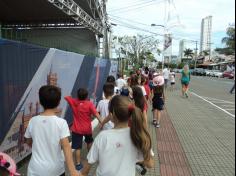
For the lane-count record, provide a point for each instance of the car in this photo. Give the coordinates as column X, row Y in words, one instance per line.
column 217, row 73
column 228, row 74
column 208, row 72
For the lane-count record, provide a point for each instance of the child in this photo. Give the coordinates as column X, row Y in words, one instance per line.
column 172, row 80
column 140, row 101
column 102, row 107
column 118, row 150
column 145, row 84
column 82, row 109
column 7, row 166
column 48, row 135
column 158, row 99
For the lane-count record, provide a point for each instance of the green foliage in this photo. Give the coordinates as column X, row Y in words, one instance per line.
column 229, row 41
column 226, row 51
column 181, row 65
column 172, row 65
column 188, row 53
column 138, row 48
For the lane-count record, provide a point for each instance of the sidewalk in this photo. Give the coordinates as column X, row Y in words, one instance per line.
column 170, row 159
column 194, row 139
column 207, row 135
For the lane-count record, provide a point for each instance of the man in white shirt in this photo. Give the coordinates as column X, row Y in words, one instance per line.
column 166, row 75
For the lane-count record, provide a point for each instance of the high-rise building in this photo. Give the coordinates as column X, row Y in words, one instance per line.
column 182, row 47
column 206, row 30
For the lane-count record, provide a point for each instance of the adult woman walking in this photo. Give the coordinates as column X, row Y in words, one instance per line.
column 185, row 80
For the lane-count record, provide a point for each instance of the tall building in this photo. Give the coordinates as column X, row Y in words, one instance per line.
column 182, row 47
column 206, row 30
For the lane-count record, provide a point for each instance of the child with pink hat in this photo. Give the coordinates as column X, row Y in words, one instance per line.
column 158, row 100
column 7, row 166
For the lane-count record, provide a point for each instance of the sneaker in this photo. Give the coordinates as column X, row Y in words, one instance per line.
column 141, row 169
column 154, row 122
column 79, row 167
column 186, row 95
column 157, row 125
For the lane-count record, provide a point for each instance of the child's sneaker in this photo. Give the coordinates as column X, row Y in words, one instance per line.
column 79, row 167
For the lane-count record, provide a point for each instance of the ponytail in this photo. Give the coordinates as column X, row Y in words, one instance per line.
column 139, row 133
column 124, row 109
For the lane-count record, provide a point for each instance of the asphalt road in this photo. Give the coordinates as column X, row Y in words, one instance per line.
column 205, row 124
column 214, row 91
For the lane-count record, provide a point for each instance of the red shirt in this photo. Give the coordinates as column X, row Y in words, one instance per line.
column 82, row 112
column 148, row 90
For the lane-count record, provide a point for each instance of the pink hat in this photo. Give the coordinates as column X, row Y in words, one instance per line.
column 8, row 163
column 158, row 81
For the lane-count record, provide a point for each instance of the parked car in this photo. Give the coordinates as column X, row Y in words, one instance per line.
column 199, row 72
column 217, row 73
column 228, row 74
column 208, row 72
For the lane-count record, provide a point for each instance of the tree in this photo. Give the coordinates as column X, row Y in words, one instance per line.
column 188, row 53
column 229, row 41
column 139, row 48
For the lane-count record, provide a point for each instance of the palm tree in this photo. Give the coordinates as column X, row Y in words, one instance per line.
column 188, row 53
column 230, row 39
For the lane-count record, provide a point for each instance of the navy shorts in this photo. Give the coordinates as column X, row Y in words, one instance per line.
column 158, row 103
column 77, row 140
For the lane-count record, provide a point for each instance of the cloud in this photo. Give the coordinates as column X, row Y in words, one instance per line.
column 190, row 12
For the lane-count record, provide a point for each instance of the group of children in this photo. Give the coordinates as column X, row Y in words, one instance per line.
column 123, row 143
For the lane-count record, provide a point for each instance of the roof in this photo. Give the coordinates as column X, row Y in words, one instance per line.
column 35, row 11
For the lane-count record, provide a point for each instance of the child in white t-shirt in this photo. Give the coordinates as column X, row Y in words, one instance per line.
column 102, row 107
column 118, row 150
column 48, row 135
column 172, row 80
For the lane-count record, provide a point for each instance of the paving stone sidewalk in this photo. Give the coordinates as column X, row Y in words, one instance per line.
column 207, row 135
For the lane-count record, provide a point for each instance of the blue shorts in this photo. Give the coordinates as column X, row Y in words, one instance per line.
column 77, row 140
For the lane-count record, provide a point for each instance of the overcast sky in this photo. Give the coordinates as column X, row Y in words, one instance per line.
column 142, row 13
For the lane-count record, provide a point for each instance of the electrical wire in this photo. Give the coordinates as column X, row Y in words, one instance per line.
column 138, row 7
column 133, row 5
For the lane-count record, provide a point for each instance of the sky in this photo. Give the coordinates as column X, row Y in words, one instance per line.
column 187, row 14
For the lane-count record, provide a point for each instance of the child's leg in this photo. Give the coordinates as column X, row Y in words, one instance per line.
column 89, row 141
column 154, row 116
column 77, row 156
column 158, row 116
column 77, row 142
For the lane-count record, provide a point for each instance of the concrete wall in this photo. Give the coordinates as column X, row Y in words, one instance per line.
column 80, row 41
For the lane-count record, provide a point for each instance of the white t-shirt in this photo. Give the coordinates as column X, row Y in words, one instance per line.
column 120, row 83
column 116, row 92
column 166, row 73
column 172, row 78
column 115, row 153
column 143, row 90
column 47, row 157
column 102, row 108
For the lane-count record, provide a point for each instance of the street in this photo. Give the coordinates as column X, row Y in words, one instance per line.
column 205, row 125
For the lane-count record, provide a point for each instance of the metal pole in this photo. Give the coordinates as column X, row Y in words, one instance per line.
column 105, row 33
column 195, row 65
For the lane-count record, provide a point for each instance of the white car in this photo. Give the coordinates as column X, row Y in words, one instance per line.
column 208, row 72
column 217, row 73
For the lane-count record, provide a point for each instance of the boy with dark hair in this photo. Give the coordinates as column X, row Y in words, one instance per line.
column 102, row 107
column 82, row 109
column 47, row 134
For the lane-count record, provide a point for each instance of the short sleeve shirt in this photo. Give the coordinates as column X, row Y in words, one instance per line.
column 46, row 133
column 116, row 147
column 82, row 112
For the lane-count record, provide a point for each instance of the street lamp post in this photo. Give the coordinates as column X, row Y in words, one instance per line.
column 165, row 32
